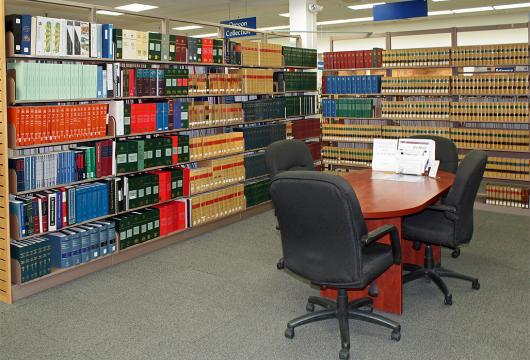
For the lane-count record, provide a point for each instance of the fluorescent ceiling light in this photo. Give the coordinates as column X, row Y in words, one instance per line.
column 280, row 27
column 344, row 21
column 469, row 10
column 136, row 7
column 284, row 14
column 439, row 0
column 187, row 27
column 110, row 13
column 441, row 12
column 511, row 6
column 365, row 6
column 204, row 35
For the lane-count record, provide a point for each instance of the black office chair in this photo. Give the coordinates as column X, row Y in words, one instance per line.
column 448, row 224
column 325, row 240
column 447, row 153
column 287, row 155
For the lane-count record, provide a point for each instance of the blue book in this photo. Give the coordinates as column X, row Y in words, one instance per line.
column 25, row 44
column 59, row 209
column 107, row 48
column 93, row 239
column 111, row 235
column 16, row 212
column 177, row 115
column 101, row 231
column 325, row 108
column 71, row 205
column 159, row 116
column 99, row 83
column 61, row 249
column 332, row 84
column 165, row 116
column 76, row 247
column 351, row 79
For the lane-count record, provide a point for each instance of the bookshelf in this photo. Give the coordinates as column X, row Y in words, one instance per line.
column 213, row 131
column 476, row 95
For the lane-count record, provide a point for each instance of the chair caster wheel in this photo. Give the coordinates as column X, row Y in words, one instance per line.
column 475, row 285
column 289, row 333
column 455, row 253
column 396, row 335
column 310, row 307
column 280, row 265
column 344, row 354
column 448, row 300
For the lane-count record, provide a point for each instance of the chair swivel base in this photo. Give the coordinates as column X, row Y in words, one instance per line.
column 342, row 311
column 434, row 272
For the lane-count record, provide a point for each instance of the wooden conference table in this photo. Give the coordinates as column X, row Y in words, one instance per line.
column 386, row 202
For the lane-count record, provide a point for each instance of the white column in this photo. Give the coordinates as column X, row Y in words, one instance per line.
column 300, row 18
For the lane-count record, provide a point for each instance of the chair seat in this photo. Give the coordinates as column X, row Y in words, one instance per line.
column 431, row 227
column 376, row 257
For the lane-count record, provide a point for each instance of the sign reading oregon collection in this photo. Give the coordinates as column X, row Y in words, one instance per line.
column 244, row 22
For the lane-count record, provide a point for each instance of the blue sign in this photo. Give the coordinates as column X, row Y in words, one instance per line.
column 401, row 10
column 245, row 22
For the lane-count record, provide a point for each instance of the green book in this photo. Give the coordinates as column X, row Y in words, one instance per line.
column 155, row 46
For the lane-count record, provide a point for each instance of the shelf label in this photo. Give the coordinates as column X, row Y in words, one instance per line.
column 244, row 22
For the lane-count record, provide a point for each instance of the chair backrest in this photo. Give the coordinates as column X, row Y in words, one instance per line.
column 464, row 191
column 321, row 226
column 288, row 155
column 446, row 152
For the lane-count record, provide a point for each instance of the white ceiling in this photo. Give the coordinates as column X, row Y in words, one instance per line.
column 217, row 10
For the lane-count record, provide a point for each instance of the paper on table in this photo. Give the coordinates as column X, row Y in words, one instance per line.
column 397, row 177
column 415, row 155
column 384, row 155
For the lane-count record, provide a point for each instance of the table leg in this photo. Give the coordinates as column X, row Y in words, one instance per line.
column 389, row 284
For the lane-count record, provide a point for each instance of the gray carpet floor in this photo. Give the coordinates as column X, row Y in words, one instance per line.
column 219, row 296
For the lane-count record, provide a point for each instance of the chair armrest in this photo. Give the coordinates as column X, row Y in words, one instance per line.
column 449, row 211
column 379, row 233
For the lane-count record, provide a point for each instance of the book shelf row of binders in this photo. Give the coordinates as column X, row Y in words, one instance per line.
column 477, row 96
column 112, row 148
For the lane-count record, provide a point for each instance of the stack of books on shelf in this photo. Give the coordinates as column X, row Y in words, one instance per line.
column 509, row 54
column 35, row 125
column 52, row 210
column 420, row 110
column 417, row 57
column 300, row 105
column 137, row 155
column 298, row 57
column 397, row 132
column 257, row 192
column 138, row 226
column 38, row 168
column 488, row 139
column 212, row 174
column 260, row 136
column 264, row 109
column 351, row 108
column 511, row 84
column 32, row 259
column 211, row 206
column 255, row 165
column 508, row 168
column 362, row 84
column 255, row 81
column 206, row 147
column 350, row 132
column 207, row 51
column 297, row 81
column 81, row 244
column 347, row 155
column 306, row 128
column 261, row 54
column 173, row 217
column 354, row 59
column 490, row 111
column 438, row 85
column 203, row 114
column 508, row 195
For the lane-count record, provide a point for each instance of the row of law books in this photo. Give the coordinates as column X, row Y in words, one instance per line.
column 350, row 132
column 81, row 244
column 358, row 84
column 354, row 108
column 52, row 210
column 56, row 37
column 209, row 146
column 354, row 59
column 305, row 128
column 260, row 136
column 212, row 174
column 508, row 195
column 54, row 166
column 33, row 257
column 506, row 168
column 214, row 205
column 257, row 192
column 45, row 124
column 255, row 165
